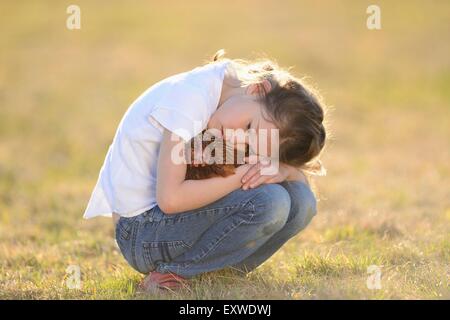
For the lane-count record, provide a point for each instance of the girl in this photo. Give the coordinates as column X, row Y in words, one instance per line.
column 171, row 228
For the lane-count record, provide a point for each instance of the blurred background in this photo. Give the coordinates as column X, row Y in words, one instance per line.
column 384, row 202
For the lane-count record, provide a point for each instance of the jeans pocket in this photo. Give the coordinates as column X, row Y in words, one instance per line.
column 156, row 252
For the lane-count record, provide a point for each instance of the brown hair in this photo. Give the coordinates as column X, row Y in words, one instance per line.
column 293, row 106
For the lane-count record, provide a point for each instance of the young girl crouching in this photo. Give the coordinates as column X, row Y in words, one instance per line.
column 172, row 228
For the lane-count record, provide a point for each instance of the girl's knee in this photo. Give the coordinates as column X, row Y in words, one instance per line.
column 303, row 205
column 272, row 204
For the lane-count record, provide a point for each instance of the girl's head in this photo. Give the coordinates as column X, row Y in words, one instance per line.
column 260, row 95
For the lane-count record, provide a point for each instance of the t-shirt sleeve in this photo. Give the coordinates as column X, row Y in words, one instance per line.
column 182, row 110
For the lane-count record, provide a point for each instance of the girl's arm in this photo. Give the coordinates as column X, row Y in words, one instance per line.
column 174, row 194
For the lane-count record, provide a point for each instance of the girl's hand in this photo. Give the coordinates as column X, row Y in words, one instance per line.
column 253, row 177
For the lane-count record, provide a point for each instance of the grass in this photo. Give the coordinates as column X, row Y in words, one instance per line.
column 385, row 201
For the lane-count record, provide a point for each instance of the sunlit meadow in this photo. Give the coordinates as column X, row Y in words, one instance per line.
column 384, row 202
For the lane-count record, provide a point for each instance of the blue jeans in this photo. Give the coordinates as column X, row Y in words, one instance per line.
column 240, row 230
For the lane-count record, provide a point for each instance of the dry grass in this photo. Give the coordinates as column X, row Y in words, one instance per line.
column 385, row 200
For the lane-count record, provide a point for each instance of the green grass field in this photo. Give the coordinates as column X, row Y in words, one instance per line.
column 384, row 202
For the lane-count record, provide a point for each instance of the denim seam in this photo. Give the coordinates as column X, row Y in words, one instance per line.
column 155, row 244
column 122, row 232
column 203, row 255
column 176, row 219
column 134, row 232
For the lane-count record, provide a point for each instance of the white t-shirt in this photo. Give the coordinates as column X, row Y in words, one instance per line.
column 182, row 104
